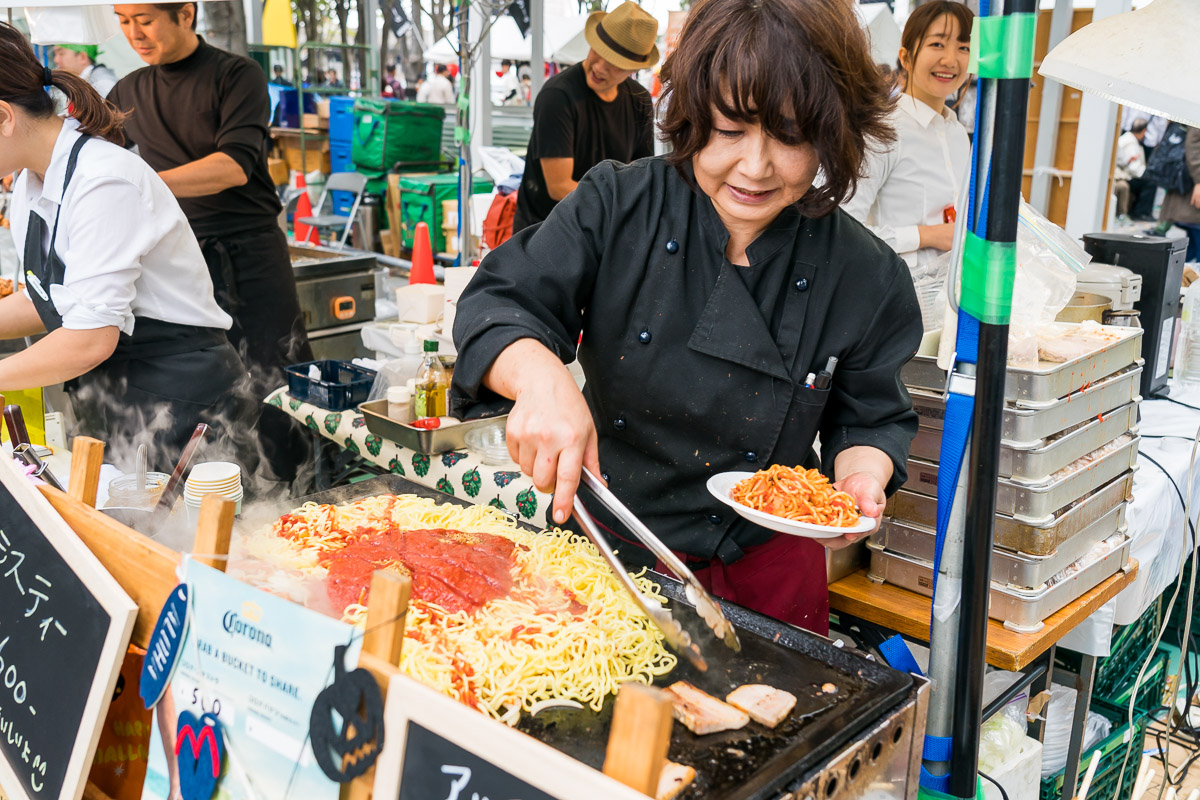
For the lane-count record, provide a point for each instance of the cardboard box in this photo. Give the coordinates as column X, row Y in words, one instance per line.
column 315, row 122
column 395, row 221
column 323, row 111
column 279, row 171
column 317, row 154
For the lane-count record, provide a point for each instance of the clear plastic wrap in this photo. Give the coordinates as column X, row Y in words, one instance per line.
column 1060, row 713
column 1047, row 262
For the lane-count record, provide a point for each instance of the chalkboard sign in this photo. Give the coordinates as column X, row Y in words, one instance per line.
column 439, row 749
column 64, row 627
column 436, row 768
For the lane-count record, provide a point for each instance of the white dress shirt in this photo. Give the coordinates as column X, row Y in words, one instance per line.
column 100, row 77
column 125, row 244
column 1131, row 158
column 438, row 89
column 912, row 182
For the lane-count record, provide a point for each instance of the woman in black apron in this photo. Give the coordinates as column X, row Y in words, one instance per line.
column 112, row 273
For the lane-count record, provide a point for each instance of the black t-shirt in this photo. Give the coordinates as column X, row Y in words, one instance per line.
column 210, row 102
column 571, row 121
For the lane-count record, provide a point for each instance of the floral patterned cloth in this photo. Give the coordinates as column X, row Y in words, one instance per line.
column 458, row 473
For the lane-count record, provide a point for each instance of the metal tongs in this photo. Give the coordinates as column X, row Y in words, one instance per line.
column 706, row 606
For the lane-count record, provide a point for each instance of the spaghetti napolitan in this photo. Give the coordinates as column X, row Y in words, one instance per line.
column 557, row 627
column 795, row 493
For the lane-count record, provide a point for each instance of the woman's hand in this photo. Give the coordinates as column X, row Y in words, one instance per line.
column 861, row 472
column 868, row 495
column 939, row 237
column 550, row 431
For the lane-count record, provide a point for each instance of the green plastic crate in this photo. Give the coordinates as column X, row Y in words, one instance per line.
column 1114, row 746
column 390, row 132
column 421, row 198
column 1130, row 646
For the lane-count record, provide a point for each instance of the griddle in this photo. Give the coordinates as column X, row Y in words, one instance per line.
column 753, row 763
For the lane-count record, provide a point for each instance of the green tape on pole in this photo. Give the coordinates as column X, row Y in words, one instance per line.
column 461, row 135
column 1002, row 47
column 988, row 270
column 463, row 103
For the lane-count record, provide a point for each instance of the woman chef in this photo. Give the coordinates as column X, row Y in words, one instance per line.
column 111, row 269
column 707, row 286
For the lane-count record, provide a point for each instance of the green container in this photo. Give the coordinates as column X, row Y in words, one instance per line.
column 421, row 198
column 1114, row 747
column 391, row 132
column 1128, row 650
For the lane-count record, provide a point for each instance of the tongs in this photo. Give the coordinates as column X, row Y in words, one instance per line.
column 697, row 595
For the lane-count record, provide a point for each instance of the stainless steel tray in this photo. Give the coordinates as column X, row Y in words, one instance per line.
column 1019, row 609
column 1021, row 570
column 428, row 442
column 1047, row 381
column 1038, row 500
column 1037, row 536
column 1034, row 462
column 1026, row 426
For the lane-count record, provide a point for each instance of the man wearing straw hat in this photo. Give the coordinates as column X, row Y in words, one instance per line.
column 81, row 59
column 591, row 112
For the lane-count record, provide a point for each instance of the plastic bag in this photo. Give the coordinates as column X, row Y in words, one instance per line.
column 1048, row 260
column 1060, row 713
column 1000, row 738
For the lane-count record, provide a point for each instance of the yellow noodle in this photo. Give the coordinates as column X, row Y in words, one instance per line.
column 583, row 659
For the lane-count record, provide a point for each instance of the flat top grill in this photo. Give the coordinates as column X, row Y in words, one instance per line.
column 748, row 764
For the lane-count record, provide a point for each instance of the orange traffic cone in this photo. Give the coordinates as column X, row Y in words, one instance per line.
column 304, row 233
column 422, row 257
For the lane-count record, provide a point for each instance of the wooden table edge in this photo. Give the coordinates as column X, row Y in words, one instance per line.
column 908, row 613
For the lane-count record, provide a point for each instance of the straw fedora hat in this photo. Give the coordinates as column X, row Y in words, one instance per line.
column 624, row 37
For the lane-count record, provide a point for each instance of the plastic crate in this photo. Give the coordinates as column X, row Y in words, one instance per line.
column 342, row 385
column 1121, row 740
column 1130, row 646
column 341, row 120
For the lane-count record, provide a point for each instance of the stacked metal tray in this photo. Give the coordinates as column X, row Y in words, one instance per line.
column 1068, row 455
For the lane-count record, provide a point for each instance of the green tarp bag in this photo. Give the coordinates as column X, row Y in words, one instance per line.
column 390, row 132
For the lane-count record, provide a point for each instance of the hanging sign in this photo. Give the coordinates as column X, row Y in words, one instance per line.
column 519, row 11
column 398, row 19
column 163, row 653
column 64, row 627
column 246, row 660
column 199, row 753
column 439, row 749
column 346, row 724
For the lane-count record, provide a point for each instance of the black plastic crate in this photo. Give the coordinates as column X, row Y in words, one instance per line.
column 342, row 385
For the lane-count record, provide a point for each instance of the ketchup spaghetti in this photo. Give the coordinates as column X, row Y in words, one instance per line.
column 802, row 495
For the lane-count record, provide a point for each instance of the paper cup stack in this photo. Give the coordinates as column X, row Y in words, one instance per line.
column 213, row 477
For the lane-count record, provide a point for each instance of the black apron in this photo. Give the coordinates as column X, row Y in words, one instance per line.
column 158, row 383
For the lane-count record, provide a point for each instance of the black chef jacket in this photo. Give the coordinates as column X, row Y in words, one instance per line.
column 685, row 378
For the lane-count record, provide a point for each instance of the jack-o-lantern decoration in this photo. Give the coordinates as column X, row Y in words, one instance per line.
column 347, row 745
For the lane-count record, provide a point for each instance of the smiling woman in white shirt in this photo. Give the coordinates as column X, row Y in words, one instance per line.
column 113, row 274
column 909, row 189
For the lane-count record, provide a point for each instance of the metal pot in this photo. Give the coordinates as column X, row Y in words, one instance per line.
column 1085, row 306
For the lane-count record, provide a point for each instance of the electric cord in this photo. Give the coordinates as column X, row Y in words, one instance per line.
column 1188, row 553
column 1176, row 402
column 996, row 783
column 1174, row 485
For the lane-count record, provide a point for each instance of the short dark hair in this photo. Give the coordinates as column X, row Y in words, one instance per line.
column 175, row 9
column 441, row 68
column 278, row 68
column 800, row 68
column 1139, row 125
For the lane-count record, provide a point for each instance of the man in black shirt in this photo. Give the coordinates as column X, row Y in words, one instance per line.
column 199, row 117
column 590, row 112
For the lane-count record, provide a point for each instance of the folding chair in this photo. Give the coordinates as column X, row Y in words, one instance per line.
column 353, row 182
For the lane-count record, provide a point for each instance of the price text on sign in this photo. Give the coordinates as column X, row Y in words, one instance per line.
column 52, row 632
column 438, row 769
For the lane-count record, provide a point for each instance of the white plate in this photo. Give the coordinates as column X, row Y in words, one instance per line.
column 721, row 485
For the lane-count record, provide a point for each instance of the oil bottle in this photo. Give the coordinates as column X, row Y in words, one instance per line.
column 433, row 385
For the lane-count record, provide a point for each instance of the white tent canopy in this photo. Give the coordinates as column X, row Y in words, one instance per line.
column 507, row 42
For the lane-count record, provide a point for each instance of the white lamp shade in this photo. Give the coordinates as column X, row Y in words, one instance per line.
column 1148, row 59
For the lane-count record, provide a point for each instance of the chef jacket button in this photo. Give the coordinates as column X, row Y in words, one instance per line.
column 672, row 247
column 619, row 423
column 802, row 285
column 644, row 337
column 715, row 519
column 750, row 455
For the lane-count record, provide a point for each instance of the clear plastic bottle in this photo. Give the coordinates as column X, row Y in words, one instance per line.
column 1187, row 358
column 433, row 385
column 399, row 404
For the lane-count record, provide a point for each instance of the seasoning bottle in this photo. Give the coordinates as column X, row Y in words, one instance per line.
column 399, row 403
column 433, row 385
